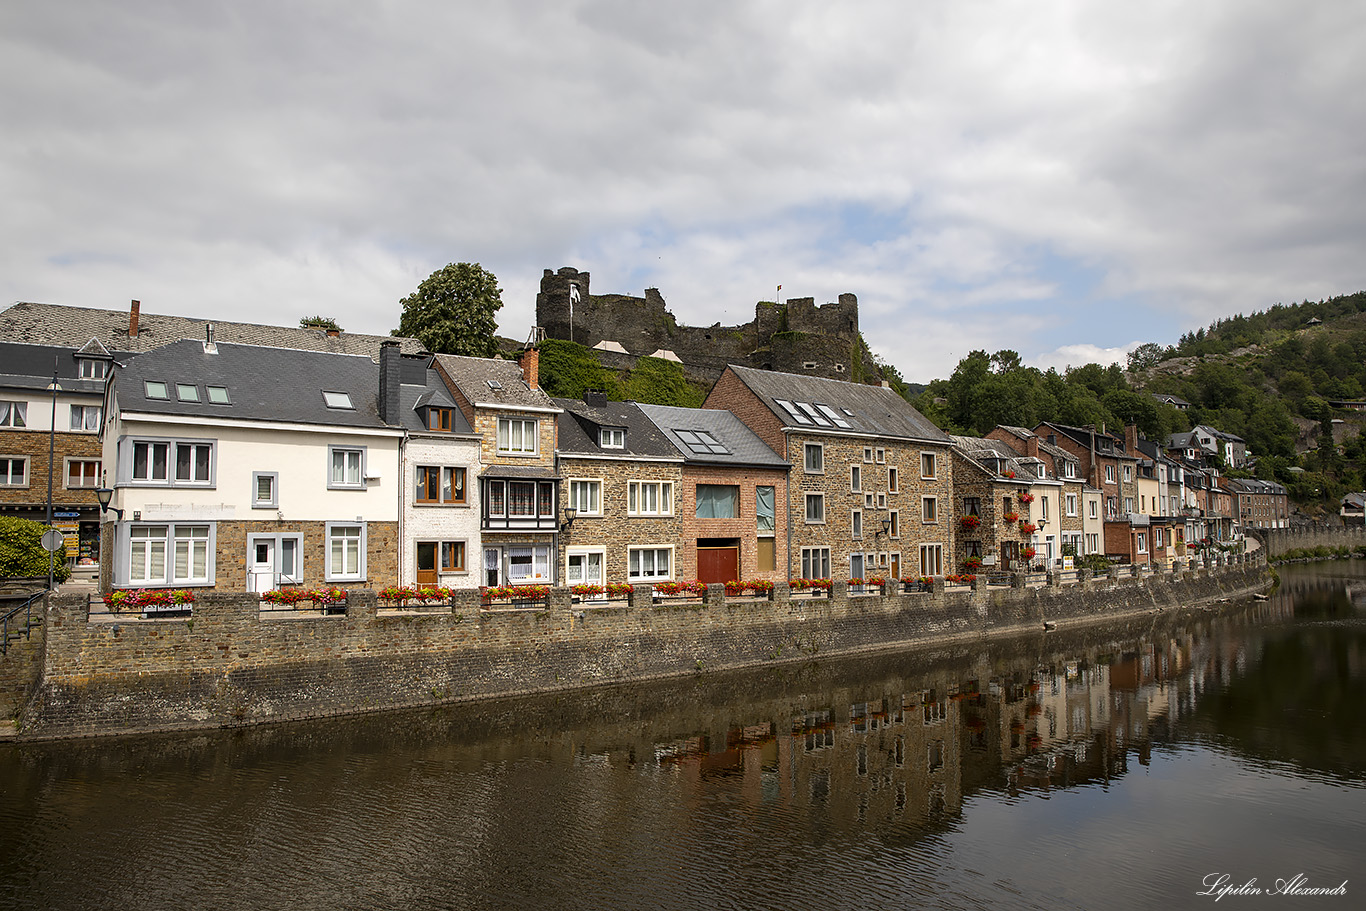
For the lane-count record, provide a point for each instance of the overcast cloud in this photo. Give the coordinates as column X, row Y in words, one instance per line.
column 1064, row 179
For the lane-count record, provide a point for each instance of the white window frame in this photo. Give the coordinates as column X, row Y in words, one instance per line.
column 1094, row 508
column 868, row 454
column 590, row 486
column 638, row 575
column 129, row 464
column 84, row 422
column 1109, row 474
column 345, row 484
column 881, row 455
column 816, row 563
column 273, row 502
column 856, row 524
column 6, row 478
column 611, row 438
column 13, row 413
column 663, row 498
column 66, row 473
column 814, row 498
column 571, row 552
column 1071, row 504
column 931, row 559
column 1128, row 473
column 529, row 431
column 92, row 368
column 170, row 540
column 1142, row 543
column 818, row 450
column 332, row 573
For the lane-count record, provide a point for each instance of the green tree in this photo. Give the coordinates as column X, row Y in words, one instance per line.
column 454, row 311
column 655, row 381
column 319, row 322
column 568, row 370
column 22, row 552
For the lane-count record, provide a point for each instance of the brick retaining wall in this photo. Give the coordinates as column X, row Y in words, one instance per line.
column 230, row 664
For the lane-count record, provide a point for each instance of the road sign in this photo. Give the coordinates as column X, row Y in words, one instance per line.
column 54, row 540
column 66, row 515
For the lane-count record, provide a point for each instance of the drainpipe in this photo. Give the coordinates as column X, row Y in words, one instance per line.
column 402, row 515
column 787, row 454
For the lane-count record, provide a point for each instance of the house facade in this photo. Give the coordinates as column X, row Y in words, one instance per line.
column 519, row 488
column 246, row 468
column 870, row 474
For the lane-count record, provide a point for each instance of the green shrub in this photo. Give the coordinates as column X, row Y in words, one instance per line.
column 22, row 553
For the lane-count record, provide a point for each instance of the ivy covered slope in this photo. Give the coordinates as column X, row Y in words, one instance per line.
column 1280, row 379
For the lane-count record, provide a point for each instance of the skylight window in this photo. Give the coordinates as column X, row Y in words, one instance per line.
column 338, row 400
column 187, row 392
column 218, row 395
column 815, row 415
column 830, row 413
column 494, row 384
column 794, row 411
column 702, row 442
column 155, row 389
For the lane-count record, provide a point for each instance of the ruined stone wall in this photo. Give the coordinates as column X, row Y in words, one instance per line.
column 795, row 336
column 231, row 664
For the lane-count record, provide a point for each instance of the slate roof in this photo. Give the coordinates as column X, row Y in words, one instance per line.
column 430, row 391
column 30, row 366
column 55, row 324
column 473, row 375
column 264, row 384
column 978, row 448
column 581, row 421
column 869, row 410
column 1052, row 449
column 742, row 445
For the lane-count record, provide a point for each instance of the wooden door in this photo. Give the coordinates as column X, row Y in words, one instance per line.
column 426, row 562
column 718, row 564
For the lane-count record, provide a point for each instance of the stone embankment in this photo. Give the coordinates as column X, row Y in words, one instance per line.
column 1279, row 541
column 230, row 663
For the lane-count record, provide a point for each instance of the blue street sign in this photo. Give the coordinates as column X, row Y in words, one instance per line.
column 66, row 515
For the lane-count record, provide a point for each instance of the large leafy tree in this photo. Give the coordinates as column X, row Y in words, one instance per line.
column 454, row 311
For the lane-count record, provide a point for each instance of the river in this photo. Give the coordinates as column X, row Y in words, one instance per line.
column 1130, row 766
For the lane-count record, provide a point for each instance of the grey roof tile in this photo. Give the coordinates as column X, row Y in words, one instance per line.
column 742, row 445
column 581, row 421
column 493, row 381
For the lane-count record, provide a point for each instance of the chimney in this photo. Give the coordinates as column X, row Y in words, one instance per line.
column 530, row 362
column 133, row 319
column 595, row 399
column 210, row 347
column 1131, row 438
column 333, row 333
column 390, row 378
column 1032, row 446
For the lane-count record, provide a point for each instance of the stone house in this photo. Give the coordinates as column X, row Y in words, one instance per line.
column 870, row 474
column 243, row 467
column 729, row 497
column 622, row 478
column 34, row 421
column 519, row 488
column 1053, row 461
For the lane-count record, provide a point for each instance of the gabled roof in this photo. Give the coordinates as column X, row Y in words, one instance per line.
column 494, row 383
column 581, row 421
column 263, row 384
column 707, row 436
column 1052, row 449
column 982, row 451
column 834, row 406
column 29, row 366
column 55, row 324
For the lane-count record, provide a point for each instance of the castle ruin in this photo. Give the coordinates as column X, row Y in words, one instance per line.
column 795, row 336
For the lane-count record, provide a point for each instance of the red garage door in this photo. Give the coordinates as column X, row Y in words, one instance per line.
column 718, row 564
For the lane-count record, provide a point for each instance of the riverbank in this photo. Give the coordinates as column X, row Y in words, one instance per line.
column 231, row 664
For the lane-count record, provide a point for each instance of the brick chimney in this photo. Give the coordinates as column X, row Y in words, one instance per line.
column 390, row 378
column 1032, row 446
column 1131, row 438
column 530, row 363
column 133, row 319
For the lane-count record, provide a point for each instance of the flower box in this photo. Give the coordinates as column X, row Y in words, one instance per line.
column 151, row 600
column 1025, row 497
column 516, row 595
column 1011, row 518
column 971, row 523
column 758, row 588
column 689, row 590
column 1028, row 528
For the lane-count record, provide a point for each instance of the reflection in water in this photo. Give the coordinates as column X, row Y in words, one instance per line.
column 1098, row 768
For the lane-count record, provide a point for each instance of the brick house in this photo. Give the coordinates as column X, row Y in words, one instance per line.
column 243, row 467
column 30, row 426
column 519, row 488
column 622, row 478
column 1050, row 460
column 871, row 488
column 729, row 495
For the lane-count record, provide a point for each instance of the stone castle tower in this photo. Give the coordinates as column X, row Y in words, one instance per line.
column 795, row 336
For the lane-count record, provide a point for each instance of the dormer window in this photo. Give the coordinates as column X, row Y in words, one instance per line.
column 439, row 419
column 612, row 438
column 92, row 368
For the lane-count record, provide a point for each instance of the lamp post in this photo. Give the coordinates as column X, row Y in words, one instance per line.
column 51, row 447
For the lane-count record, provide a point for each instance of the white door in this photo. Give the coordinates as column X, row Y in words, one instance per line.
column 261, row 566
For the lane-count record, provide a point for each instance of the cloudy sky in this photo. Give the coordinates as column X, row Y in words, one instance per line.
column 1066, row 179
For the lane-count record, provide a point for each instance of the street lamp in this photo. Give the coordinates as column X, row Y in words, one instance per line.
column 103, row 496
column 54, row 387
column 570, row 514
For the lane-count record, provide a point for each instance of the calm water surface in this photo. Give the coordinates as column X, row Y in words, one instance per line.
column 1111, row 768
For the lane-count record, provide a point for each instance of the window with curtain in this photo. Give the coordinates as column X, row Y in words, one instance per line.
column 718, row 501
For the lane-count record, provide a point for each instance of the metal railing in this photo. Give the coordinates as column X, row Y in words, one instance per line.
column 10, row 619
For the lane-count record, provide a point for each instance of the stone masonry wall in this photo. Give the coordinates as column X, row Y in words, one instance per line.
column 230, row 664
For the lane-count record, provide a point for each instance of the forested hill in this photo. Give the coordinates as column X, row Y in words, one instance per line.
column 1271, row 378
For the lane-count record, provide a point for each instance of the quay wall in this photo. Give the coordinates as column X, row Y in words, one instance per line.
column 231, row 664
column 1279, row 541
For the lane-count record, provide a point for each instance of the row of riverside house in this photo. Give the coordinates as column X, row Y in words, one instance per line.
column 251, row 458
